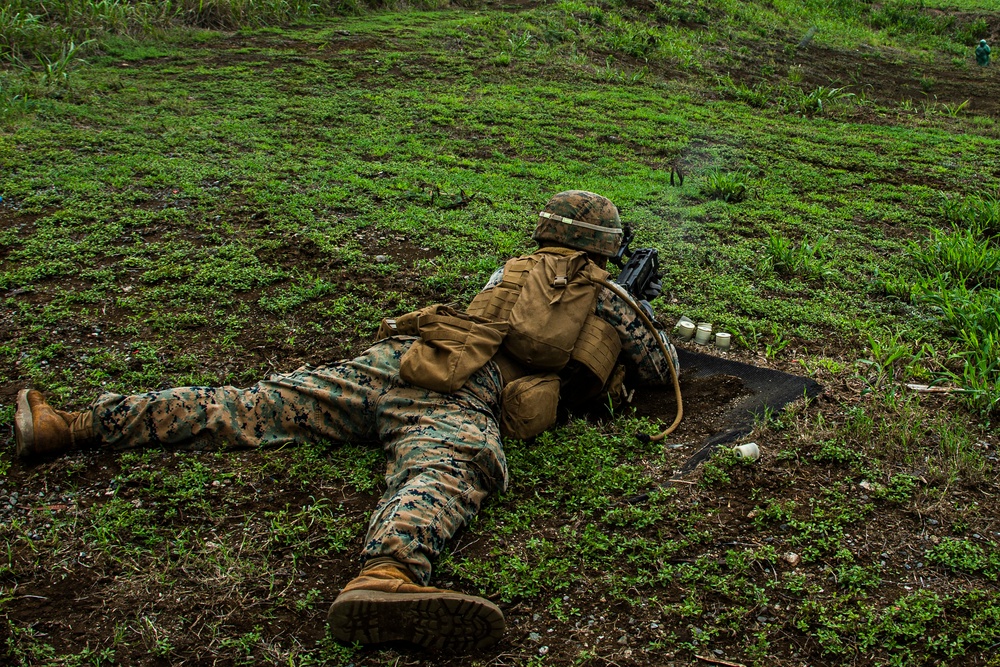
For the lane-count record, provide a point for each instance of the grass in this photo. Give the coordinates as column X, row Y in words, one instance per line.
column 200, row 194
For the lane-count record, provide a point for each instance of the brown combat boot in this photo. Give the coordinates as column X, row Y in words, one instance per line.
column 383, row 604
column 41, row 430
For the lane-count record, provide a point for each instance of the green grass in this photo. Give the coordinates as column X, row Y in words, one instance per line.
column 199, row 195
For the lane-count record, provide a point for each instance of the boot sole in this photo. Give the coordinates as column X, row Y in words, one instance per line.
column 24, row 432
column 432, row 620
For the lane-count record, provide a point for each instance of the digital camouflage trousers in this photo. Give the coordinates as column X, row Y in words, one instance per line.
column 443, row 450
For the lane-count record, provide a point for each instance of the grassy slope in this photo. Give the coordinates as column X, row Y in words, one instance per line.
column 205, row 209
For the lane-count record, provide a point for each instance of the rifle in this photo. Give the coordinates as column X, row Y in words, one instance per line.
column 640, row 275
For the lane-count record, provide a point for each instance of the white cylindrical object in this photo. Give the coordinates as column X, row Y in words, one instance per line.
column 684, row 318
column 723, row 340
column 704, row 334
column 685, row 329
column 748, row 451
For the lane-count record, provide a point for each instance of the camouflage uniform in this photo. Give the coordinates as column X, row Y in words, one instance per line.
column 444, row 451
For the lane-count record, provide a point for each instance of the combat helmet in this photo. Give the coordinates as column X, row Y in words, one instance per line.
column 582, row 220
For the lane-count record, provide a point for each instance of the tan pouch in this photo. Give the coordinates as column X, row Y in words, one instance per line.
column 597, row 350
column 557, row 296
column 452, row 346
column 528, row 406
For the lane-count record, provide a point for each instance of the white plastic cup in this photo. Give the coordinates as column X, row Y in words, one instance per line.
column 748, row 451
column 723, row 341
column 685, row 329
column 684, row 318
column 704, row 334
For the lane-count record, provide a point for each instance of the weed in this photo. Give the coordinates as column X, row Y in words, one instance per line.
column 899, row 489
column 330, row 652
column 774, row 512
column 962, row 257
column 808, row 259
column 816, row 100
column 15, row 99
column 632, row 40
column 611, row 73
column 959, row 281
column 952, row 110
column 892, row 360
column 978, row 213
column 778, row 342
column 56, row 71
column 856, row 577
column 519, row 44
column 759, row 96
column 715, row 471
column 317, row 529
column 729, row 186
column 243, row 646
column 831, row 366
column 751, row 338
column 834, row 451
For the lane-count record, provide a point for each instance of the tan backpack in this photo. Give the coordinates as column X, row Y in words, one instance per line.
column 545, row 298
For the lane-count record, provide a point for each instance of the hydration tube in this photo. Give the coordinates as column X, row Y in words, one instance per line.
column 643, row 437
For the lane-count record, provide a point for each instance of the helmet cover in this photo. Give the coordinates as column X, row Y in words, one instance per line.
column 582, row 220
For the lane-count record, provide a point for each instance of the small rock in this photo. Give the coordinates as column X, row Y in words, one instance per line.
column 792, row 558
column 381, row 259
column 536, row 617
column 623, row 639
column 535, row 637
column 932, row 522
column 542, row 650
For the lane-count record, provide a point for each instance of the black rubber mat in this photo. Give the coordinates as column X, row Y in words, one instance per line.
column 770, row 391
column 767, row 391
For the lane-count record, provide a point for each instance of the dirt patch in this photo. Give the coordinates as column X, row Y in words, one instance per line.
column 706, row 401
column 882, row 75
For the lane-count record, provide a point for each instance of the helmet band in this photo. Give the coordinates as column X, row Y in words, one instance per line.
column 580, row 223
